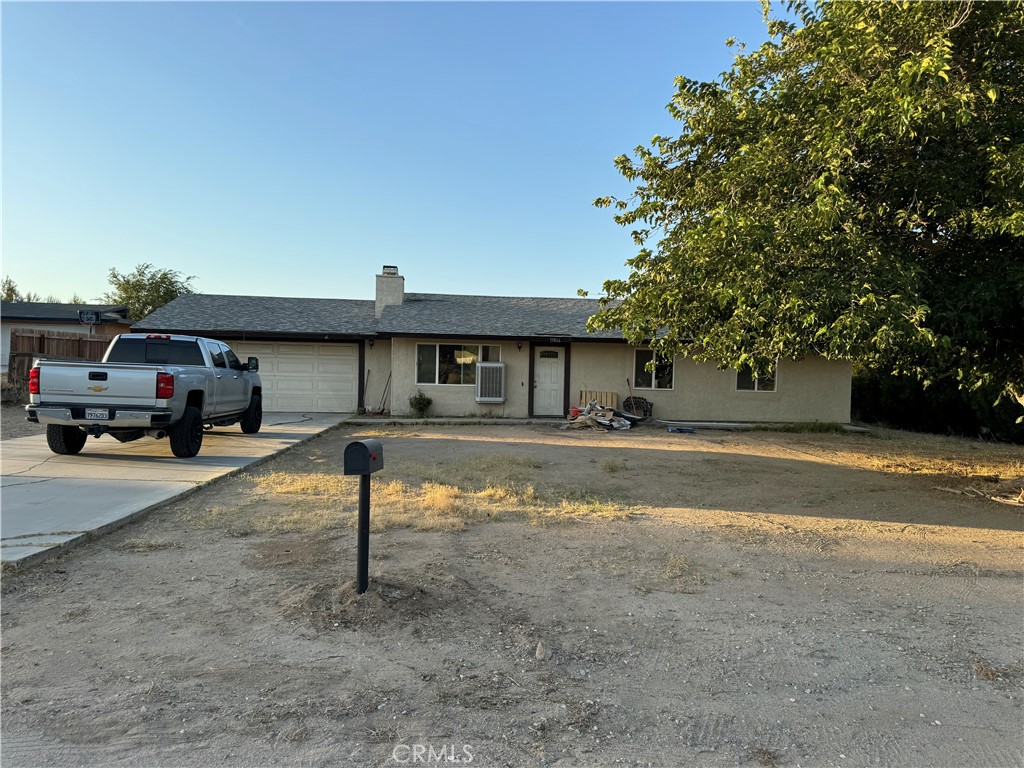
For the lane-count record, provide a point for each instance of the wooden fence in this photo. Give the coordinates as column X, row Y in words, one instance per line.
column 28, row 344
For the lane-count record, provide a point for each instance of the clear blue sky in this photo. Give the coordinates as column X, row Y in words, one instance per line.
column 289, row 149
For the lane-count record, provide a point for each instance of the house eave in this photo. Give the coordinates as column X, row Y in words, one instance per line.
column 534, row 337
column 239, row 335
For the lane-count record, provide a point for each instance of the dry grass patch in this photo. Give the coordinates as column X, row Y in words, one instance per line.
column 431, row 497
column 446, row 499
column 994, row 674
column 428, row 507
column 235, row 521
column 304, row 517
column 579, row 507
column 912, row 453
column 146, row 544
column 766, row 757
column 611, row 466
column 683, row 575
column 391, row 431
column 477, row 473
column 308, row 484
column 523, row 496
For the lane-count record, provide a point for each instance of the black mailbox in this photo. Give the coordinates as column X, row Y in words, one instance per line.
column 363, row 457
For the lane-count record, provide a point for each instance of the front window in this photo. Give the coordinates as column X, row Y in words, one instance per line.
column 452, row 363
column 663, row 375
column 232, row 359
column 745, row 381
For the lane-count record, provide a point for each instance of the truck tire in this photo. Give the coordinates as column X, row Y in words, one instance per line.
column 186, row 436
column 252, row 419
column 65, row 441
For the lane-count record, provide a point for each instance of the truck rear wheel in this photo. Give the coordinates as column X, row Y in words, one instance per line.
column 186, row 436
column 252, row 419
column 65, row 441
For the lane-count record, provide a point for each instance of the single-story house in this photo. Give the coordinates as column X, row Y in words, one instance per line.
column 47, row 318
column 483, row 356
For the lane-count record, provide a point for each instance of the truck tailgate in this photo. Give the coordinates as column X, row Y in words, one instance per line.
column 97, row 383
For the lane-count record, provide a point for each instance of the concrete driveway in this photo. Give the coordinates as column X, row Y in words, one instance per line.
column 52, row 502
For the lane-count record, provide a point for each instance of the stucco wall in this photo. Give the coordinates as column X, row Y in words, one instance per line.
column 813, row 389
column 459, row 400
column 378, row 366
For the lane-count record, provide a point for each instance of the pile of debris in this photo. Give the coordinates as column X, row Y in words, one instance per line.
column 596, row 416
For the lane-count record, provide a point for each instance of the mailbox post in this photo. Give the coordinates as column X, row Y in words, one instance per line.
column 363, row 458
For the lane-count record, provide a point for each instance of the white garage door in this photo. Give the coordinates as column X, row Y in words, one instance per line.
column 316, row 378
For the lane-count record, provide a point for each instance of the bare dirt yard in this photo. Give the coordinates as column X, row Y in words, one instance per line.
column 544, row 598
column 13, row 424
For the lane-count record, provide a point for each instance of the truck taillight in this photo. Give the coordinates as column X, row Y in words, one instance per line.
column 33, row 381
column 164, row 386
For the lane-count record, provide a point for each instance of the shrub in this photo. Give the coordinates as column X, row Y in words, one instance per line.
column 420, row 403
column 942, row 408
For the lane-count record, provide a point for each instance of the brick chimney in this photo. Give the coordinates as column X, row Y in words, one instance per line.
column 390, row 288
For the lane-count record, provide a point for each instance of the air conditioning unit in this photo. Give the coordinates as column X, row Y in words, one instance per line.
column 490, row 382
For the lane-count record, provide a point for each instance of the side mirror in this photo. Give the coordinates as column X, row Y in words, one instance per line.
column 253, row 364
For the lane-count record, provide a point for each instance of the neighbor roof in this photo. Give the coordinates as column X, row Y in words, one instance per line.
column 429, row 314
column 213, row 314
column 40, row 312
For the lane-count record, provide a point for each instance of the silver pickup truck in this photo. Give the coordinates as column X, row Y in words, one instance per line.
column 154, row 385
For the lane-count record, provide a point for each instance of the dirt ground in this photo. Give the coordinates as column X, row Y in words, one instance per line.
column 13, row 424
column 543, row 598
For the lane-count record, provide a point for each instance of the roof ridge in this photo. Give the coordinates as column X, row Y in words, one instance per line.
column 275, row 298
column 486, row 296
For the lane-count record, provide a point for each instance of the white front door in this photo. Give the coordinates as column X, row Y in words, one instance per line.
column 549, row 381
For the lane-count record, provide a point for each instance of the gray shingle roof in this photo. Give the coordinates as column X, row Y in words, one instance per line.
column 205, row 313
column 60, row 313
column 492, row 316
column 420, row 314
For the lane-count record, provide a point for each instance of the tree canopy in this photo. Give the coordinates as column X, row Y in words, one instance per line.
column 852, row 189
column 145, row 289
column 9, row 292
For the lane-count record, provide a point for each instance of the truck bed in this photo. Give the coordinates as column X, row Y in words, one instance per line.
column 71, row 383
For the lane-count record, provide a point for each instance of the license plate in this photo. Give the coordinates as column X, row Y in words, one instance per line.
column 97, row 414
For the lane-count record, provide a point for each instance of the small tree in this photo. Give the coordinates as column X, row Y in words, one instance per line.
column 146, row 289
column 9, row 290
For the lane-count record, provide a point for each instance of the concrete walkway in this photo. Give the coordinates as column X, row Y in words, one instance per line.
column 49, row 502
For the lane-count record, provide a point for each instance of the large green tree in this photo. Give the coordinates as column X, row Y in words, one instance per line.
column 145, row 289
column 852, row 188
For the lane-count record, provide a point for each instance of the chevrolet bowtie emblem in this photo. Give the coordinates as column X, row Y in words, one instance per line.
column 98, row 388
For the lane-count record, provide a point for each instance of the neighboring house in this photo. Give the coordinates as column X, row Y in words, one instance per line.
column 57, row 318
column 482, row 356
